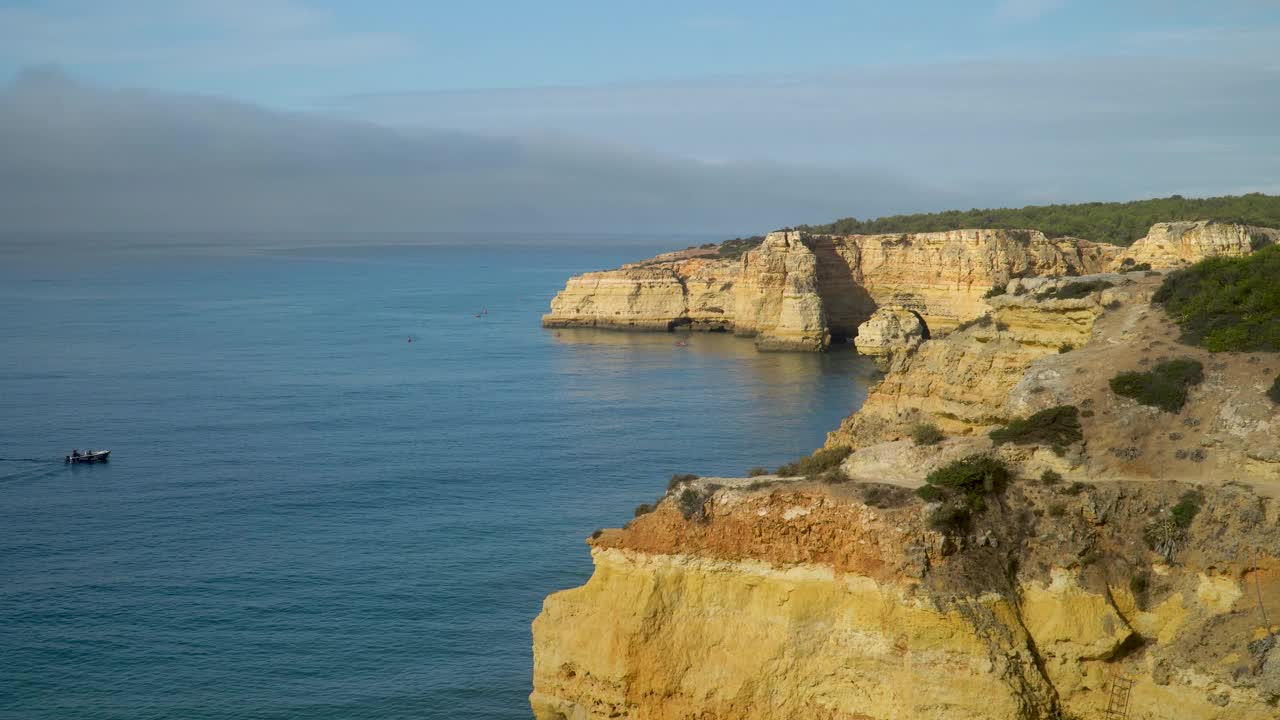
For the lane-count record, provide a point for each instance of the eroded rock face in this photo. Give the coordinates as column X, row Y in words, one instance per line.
column 889, row 331
column 803, row 600
column 796, row 291
column 777, row 296
column 695, row 293
column 1176, row 244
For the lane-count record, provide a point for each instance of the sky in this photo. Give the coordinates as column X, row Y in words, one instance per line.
column 720, row 117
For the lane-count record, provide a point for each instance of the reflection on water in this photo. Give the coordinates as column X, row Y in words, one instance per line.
column 716, row 376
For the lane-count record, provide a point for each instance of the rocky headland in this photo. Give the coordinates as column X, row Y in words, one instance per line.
column 802, row 291
column 1051, row 499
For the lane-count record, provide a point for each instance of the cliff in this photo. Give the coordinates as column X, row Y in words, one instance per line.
column 797, row 291
column 798, row 599
column 1143, row 549
column 1175, row 244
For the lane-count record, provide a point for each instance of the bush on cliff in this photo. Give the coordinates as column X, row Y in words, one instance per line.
column 961, row 488
column 735, row 248
column 1165, row 386
column 680, row 479
column 925, row 434
column 817, row 463
column 1227, row 304
column 1057, row 426
column 1274, row 392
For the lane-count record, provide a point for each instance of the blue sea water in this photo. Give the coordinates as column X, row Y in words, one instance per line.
column 308, row 516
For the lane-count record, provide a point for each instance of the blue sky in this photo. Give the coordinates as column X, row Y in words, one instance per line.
column 294, row 53
column 1001, row 102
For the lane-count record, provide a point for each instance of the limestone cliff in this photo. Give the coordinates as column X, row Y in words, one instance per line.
column 802, row 600
column 796, row 291
column 1175, row 244
column 780, row 597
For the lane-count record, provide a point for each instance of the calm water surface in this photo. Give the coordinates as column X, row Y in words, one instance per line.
column 307, row 516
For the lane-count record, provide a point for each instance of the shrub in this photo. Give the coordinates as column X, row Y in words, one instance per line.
column 1057, row 509
column 1050, row 477
column 643, row 509
column 834, row 476
column 1113, row 305
column 1140, row 267
column 931, row 493
column 1057, row 426
column 973, row 475
column 926, row 434
column 1164, row 386
column 1074, row 488
column 817, row 463
column 1065, row 348
column 690, row 502
column 995, row 291
column 1274, row 392
column 1186, row 509
column 757, row 485
column 757, row 471
column 1076, row 290
column 1227, row 304
column 679, row 479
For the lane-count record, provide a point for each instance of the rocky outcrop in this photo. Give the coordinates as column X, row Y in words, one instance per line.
column 662, row 295
column 1176, row 244
column 962, row 382
column 777, row 296
column 889, row 331
column 780, row 598
column 797, row 290
column 800, row 599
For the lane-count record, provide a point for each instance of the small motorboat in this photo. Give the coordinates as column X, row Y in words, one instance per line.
column 88, row 456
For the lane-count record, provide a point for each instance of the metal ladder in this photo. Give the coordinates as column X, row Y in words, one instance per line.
column 1118, row 699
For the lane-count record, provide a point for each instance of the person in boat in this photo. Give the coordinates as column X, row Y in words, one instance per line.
column 75, row 453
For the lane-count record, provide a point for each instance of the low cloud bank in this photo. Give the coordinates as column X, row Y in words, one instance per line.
column 75, row 157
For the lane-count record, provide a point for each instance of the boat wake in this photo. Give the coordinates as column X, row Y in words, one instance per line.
column 24, row 460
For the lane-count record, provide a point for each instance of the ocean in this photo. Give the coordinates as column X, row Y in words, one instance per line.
column 305, row 514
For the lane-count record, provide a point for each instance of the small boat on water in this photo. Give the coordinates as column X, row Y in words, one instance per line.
column 88, row 456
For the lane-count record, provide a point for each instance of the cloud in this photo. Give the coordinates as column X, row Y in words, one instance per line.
column 998, row 131
column 74, row 157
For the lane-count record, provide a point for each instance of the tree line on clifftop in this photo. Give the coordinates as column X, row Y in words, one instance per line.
column 1118, row 223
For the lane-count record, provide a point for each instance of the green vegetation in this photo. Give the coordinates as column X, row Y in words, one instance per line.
column 757, row 471
column 1130, row 266
column 1065, row 348
column 1057, row 426
column 1186, row 509
column 926, row 434
column 817, row 463
column 643, row 509
column 1165, row 386
column 1274, row 392
column 679, row 479
column 736, row 247
column 1050, row 477
column 690, row 502
column 1076, row 290
column 961, row 487
column 1227, row 304
column 995, row 291
column 1057, row 509
column 1117, row 223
